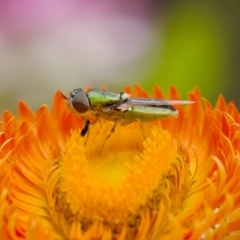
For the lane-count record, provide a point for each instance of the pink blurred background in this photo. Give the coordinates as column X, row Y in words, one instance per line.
column 51, row 45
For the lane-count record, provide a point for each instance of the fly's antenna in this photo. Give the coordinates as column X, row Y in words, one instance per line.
column 64, row 96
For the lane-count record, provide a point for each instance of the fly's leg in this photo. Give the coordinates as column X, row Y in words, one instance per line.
column 86, row 128
column 108, row 136
column 140, row 124
column 126, row 122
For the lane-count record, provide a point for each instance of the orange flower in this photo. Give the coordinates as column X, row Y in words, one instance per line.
column 178, row 181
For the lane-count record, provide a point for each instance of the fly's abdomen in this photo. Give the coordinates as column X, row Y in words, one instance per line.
column 149, row 113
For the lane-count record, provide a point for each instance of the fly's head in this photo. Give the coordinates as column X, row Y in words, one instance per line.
column 77, row 101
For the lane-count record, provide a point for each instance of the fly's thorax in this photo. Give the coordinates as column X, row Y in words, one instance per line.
column 102, row 98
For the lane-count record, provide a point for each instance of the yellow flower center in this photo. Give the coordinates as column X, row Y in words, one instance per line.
column 113, row 180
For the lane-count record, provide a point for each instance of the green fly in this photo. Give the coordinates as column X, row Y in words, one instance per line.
column 118, row 107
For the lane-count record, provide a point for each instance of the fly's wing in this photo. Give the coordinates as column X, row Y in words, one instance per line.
column 155, row 102
column 151, row 102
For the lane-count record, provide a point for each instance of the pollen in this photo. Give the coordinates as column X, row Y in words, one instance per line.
column 113, row 185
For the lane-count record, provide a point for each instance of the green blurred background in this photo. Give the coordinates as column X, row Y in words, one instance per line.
column 47, row 46
column 198, row 50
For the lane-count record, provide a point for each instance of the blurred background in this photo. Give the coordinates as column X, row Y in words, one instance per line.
column 47, row 46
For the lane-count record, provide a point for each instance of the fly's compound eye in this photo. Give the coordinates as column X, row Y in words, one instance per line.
column 79, row 101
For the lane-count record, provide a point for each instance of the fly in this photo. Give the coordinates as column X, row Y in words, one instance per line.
column 118, row 107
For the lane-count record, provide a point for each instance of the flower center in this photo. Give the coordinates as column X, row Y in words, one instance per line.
column 113, row 180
